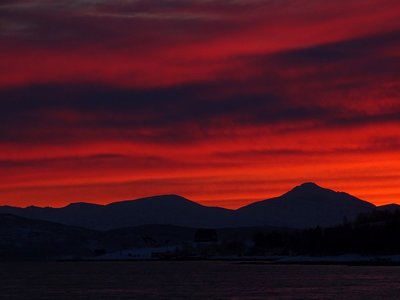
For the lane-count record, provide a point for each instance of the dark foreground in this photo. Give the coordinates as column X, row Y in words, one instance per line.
column 194, row 280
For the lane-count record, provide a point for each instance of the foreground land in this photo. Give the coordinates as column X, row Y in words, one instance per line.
column 372, row 237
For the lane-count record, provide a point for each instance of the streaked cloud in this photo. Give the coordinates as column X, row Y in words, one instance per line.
column 194, row 97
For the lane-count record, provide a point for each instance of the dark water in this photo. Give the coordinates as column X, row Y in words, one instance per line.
column 194, row 280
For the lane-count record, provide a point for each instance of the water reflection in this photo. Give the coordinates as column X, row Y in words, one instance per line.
column 194, row 280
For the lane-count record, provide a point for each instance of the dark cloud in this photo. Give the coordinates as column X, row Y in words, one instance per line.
column 91, row 160
column 350, row 50
column 353, row 64
column 189, row 112
column 103, row 24
column 174, row 113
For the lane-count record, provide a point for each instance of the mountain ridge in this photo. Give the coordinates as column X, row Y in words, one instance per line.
column 303, row 206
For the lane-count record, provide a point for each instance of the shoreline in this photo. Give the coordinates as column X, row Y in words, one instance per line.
column 346, row 260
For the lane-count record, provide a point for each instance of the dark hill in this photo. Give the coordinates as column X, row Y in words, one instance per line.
column 389, row 207
column 22, row 238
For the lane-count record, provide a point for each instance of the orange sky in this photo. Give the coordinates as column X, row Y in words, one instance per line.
column 222, row 103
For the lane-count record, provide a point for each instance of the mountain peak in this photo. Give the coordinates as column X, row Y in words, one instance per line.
column 307, row 187
column 167, row 199
column 311, row 185
column 310, row 190
column 80, row 205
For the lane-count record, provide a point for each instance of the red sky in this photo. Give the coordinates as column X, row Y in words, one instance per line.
column 224, row 103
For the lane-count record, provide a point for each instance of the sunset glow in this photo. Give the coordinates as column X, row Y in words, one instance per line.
column 223, row 103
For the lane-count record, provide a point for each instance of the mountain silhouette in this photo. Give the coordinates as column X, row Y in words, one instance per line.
column 165, row 209
column 307, row 205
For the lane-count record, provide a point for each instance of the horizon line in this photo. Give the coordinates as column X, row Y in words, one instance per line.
column 200, row 202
